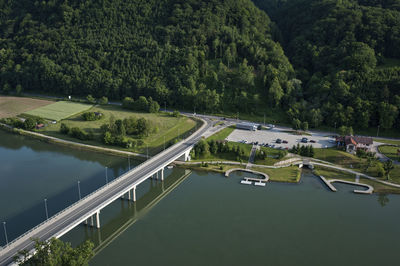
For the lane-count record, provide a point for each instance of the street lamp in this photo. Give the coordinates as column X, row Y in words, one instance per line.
column 79, row 189
column 5, row 232
column 106, row 176
column 45, row 207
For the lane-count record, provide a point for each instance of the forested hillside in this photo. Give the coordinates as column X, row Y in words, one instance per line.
column 210, row 55
column 347, row 54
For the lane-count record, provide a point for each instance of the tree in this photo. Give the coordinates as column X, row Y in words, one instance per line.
column 56, row 252
column 127, row 103
column 29, row 123
column 103, row 100
column 18, row 89
column 296, row 124
column 304, row 126
column 388, row 167
column 90, row 99
column 275, row 92
column 142, row 104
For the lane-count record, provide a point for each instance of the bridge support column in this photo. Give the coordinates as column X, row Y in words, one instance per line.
column 162, row 174
column 129, row 195
column 157, row 175
column 98, row 219
column 91, row 221
column 134, row 194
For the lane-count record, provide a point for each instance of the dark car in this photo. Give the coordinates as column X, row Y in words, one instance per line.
column 279, row 141
column 304, row 140
column 284, row 141
column 312, row 141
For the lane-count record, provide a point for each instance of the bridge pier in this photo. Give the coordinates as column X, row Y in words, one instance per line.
column 134, row 193
column 162, row 174
column 91, row 217
column 97, row 219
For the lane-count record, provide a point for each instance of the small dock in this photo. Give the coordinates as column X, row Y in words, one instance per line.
column 369, row 189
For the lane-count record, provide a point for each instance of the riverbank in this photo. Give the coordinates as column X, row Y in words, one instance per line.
column 68, row 143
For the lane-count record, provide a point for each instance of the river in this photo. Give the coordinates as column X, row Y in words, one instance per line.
column 199, row 219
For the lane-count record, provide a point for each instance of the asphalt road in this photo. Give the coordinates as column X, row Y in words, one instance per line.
column 100, row 198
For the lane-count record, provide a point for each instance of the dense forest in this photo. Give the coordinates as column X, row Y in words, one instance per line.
column 347, row 55
column 339, row 65
column 210, row 55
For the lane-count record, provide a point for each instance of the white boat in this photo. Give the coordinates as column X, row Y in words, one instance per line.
column 245, row 182
column 261, row 184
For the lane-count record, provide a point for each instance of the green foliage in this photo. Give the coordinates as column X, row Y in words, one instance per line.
column 56, row 252
column 388, row 167
column 64, row 129
column 176, row 113
column 90, row 99
column 303, row 150
column 103, row 100
column 91, row 116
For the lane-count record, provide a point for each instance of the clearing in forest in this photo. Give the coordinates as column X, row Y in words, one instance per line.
column 59, row 110
column 13, row 106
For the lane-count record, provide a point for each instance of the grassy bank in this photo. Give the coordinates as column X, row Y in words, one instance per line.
column 169, row 128
column 222, row 135
column 291, row 174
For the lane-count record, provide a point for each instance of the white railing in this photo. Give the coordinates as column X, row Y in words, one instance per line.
column 94, row 192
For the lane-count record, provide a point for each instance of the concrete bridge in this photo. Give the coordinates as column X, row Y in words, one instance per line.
column 88, row 209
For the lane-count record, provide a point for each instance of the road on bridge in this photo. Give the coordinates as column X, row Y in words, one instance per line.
column 77, row 213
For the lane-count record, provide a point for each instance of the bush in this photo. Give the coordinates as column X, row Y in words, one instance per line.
column 90, row 99
column 78, row 133
column 176, row 113
column 64, row 129
column 128, row 103
column 103, row 100
column 29, row 123
column 91, row 116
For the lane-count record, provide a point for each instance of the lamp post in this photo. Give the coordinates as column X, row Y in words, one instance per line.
column 45, row 207
column 79, row 189
column 5, row 232
column 106, row 176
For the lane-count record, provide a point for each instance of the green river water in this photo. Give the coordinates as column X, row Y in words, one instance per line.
column 199, row 219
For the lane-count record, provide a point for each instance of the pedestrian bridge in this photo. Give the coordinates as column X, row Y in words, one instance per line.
column 87, row 210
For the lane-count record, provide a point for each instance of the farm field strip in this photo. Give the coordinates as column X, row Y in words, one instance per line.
column 59, row 110
column 13, row 106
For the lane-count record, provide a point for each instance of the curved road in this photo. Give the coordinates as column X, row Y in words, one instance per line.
column 77, row 213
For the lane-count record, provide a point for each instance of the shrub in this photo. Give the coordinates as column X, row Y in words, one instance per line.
column 78, row 133
column 90, row 99
column 103, row 100
column 29, row 123
column 64, row 129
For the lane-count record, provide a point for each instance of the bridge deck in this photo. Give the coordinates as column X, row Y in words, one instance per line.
column 67, row 219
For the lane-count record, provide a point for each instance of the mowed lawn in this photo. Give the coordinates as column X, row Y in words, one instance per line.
column 390, row 151
column 59, row 110
column 13, row 106
column 169, row 127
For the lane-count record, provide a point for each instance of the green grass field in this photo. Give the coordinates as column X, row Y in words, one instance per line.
column 223, row 134
column 390, row 151
column 169, row 127
column 59, row 110
column 290, row 174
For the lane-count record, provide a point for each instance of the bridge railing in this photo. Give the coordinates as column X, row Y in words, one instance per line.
column 53, row 217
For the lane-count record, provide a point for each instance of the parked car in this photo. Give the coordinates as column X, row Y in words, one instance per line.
column 284, row 141
column 279, row 141
column 304, row 140
column 312, row 141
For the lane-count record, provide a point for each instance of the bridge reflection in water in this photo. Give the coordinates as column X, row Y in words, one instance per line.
column 121, row 214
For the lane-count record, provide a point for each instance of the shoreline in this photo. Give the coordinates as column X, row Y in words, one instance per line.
column 188, row 165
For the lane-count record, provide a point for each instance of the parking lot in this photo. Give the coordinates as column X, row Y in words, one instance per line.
column 270, row 136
